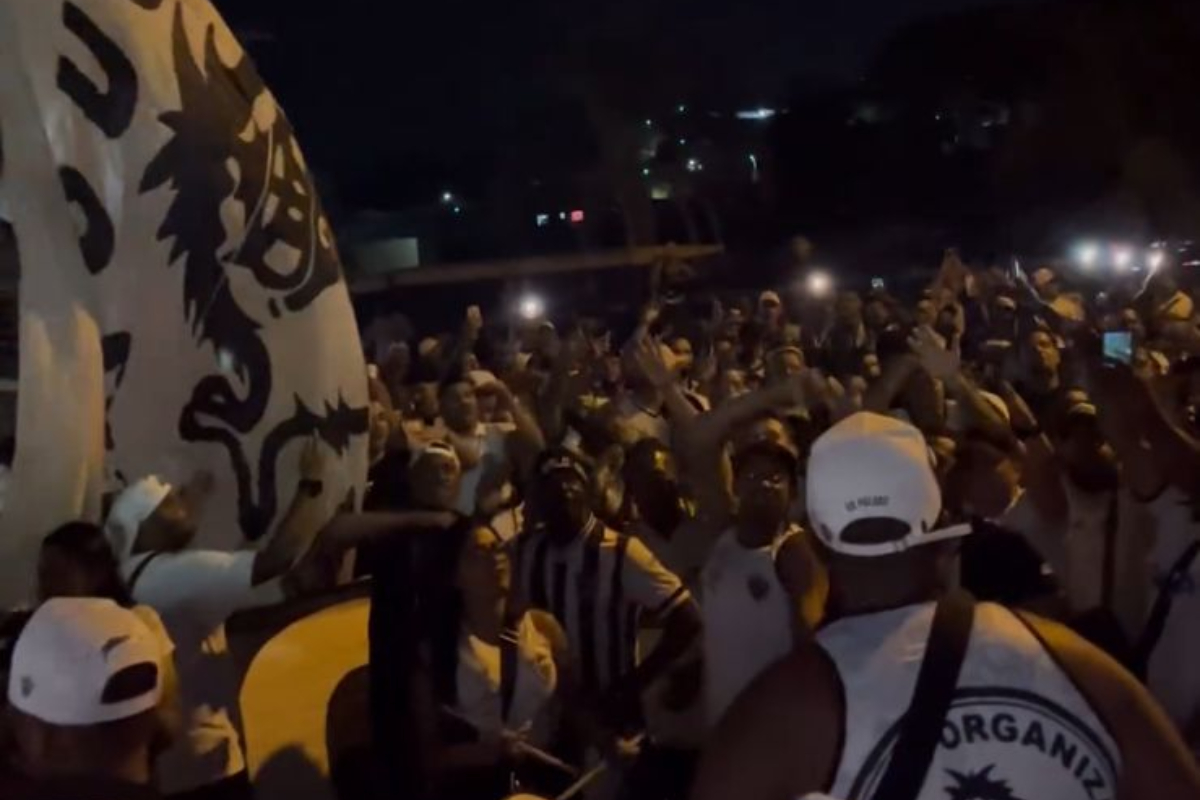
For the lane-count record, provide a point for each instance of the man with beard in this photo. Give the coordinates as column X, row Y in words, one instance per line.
column 603, row 587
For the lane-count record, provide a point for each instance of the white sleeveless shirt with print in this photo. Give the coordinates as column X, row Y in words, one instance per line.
column 748, row 618
column 1018, row 729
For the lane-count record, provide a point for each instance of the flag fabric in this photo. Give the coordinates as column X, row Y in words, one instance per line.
column 182, row 301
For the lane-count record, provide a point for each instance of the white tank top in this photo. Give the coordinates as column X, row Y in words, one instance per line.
column 747, row 618
column 479, row 700
column 1018, row 727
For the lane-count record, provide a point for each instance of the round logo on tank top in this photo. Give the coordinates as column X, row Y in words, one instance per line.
column 1006, row 744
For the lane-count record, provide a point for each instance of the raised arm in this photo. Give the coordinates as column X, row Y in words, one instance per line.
column 945, row 365
column 300, row 524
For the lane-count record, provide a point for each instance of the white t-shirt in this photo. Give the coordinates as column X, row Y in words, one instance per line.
column 194, row 592
column 748, row 618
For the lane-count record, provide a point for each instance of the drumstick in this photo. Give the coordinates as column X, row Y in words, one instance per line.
column 593, row 774
column 527, row 749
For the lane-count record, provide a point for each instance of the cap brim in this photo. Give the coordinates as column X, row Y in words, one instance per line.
column 903, row 545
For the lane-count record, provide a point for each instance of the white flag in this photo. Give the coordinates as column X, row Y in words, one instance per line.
column 182, row 302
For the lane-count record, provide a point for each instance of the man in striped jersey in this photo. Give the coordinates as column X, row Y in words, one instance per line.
column 602, row 586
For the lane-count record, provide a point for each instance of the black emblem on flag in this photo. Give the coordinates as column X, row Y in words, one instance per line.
column 218, row 152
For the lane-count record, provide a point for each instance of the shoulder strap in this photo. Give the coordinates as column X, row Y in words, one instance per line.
column 616, row 609
column 921, row 726
column 137, row 572
column 1161, row 609
column 510, row 639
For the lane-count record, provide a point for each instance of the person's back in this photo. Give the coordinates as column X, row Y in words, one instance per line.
column 1036, row 711
column 1017, row 722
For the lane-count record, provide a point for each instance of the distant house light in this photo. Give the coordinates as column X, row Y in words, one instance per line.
column 693, row 165
column 756, row 114
column 543, row 220
column 576, row 216
column 562, row 215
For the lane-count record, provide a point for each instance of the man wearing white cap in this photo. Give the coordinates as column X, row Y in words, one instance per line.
column 84, row 687
column 151, row 527
column 1034, row 712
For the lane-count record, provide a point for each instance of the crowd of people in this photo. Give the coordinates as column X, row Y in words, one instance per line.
column 849, row 545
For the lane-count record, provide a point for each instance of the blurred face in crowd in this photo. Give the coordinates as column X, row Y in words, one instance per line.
column 770, row 312
column 848, row 310
column 563, row 505
column 926, row 313
column 425, row 402
column 1044, row 357
column 435, row 479
column 784, row 364
column 171, row 527
column 876, row 315
column 484, row 567
column 763, row 485
column 488, row 400
column 731, row 383
column 460, row 407
column 652, row 477
column 685, row 358
column 1130, row 321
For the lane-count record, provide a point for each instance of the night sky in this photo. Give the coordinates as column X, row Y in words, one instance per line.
column 378, row 85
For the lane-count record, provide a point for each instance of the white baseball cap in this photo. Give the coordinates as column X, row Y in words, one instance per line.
column 133, row 506
column 870, row 466
column 65, row 660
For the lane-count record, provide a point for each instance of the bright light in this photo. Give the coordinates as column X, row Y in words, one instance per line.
column 1122, row 258
column 694, row 166
column 649, row 123
column 681, row 108
column 1155, row 259
column 1087, row 254
column 756, row 114
column 577, row 216
column 458, row 209
column 562, row 216
column 645, row 172
column 543, row 220
column 447, row 197
column 531, row 307
column 682, row 142
column 819, row 283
